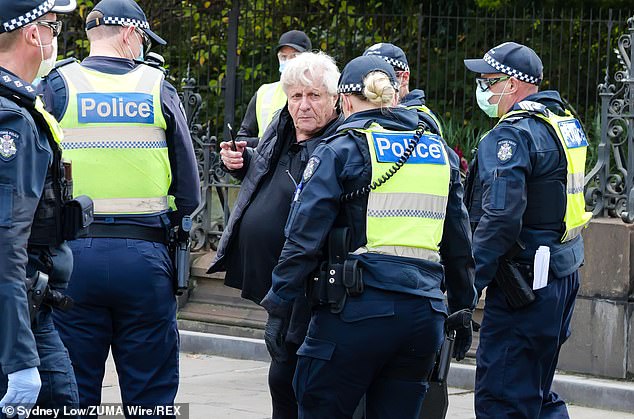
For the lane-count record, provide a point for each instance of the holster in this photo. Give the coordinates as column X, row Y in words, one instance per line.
column 77, row 214
column 512, row 281
column 339, row 277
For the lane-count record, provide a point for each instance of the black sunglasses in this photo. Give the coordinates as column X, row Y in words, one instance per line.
column 147, row 43
column 485, row 84
column 54, row 25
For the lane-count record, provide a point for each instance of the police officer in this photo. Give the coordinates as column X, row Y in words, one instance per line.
column 126, row 133
column 33, row 189
column 411, row 99
column 271, row 97
column 379, row 333
column 526, row 191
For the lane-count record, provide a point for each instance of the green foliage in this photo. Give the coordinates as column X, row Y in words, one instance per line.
column 436, row 36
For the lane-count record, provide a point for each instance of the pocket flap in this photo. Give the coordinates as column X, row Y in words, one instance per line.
column 315, row 348
column 438, row 306
column 355, row 311
column 565, row 261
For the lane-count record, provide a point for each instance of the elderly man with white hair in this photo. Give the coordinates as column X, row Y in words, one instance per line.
column 254, row 236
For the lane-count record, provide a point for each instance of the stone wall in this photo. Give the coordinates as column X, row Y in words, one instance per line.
column 602, row 340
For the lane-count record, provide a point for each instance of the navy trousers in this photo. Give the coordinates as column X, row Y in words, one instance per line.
column 383, row 344
column 59, row 388
column 124, row 301
column 518, row 353
column 281, row 385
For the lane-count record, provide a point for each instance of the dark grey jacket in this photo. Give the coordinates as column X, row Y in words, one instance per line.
column 257, row 164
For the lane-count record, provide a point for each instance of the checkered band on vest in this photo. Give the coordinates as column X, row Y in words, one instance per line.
column 18, row 22
column 510, row 71
column 396, row 63
column 124, row 21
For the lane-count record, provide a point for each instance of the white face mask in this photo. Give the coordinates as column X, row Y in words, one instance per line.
column 47, row 64
column 491, row 109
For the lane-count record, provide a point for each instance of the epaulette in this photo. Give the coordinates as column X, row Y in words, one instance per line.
column 66, row 61
column 17, row 89
column 533, row 107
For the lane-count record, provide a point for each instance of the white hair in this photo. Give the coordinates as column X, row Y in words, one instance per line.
column 309, row 68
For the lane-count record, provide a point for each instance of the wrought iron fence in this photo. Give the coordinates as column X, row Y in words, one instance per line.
column 610, row 183
column 226, row 50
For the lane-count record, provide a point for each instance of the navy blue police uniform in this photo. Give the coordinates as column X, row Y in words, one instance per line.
column 516, row 193
column 28, row 156
column 32, row 192
column 122, row 284
column 384, row 341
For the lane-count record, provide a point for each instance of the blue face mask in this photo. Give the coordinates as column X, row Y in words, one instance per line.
column 282, row 66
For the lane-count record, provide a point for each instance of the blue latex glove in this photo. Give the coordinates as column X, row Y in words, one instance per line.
column 275, row 338
column 22, row 391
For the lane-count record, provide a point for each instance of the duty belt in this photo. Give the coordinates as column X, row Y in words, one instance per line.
column 126, row 231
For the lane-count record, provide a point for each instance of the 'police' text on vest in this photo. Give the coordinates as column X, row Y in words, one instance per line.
column 115, row 108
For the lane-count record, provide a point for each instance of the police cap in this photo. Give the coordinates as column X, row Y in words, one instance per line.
column 390, row 53
column 17, row 13
column 295, row 39
column 513, row 59
column 123, row 13
column 351, row 79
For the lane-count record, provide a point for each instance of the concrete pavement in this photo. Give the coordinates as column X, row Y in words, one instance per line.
column 217, row 387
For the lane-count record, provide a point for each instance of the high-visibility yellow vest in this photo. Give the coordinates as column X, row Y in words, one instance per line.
column 574, row 143
column 270, row 98
column 55, row 128
column 425, row 109
column 406, row 214
column 114, row 134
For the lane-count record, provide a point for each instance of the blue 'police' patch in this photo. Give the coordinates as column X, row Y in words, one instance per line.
column 115, row 108
column 573, row 134
column 9, row 141
column 505, row 150
column 390, row 146
column 311, row 166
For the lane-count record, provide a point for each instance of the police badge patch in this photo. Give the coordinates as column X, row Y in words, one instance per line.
column 311, row 166
column 506, row 148
column 8, row 144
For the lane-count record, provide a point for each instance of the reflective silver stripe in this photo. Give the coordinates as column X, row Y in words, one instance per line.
column 404, row 251
column 399, row 204
column 575, row 183
column 572, row 233
column 112, row 137
column 130, row 205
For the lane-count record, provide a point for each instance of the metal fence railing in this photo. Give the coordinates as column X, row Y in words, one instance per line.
column 228, row 49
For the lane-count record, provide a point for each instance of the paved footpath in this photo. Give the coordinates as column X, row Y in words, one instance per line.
column 218, row 387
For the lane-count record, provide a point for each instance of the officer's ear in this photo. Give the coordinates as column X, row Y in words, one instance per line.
column 31, row 35
column 127, row 34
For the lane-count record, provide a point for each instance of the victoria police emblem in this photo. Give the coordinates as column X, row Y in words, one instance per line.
column 311, row 166
column 8, row 144
column 506, row 148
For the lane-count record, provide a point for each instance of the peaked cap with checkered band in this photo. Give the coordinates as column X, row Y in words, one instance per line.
column 351, row 79
column 512, row 59
column 390, row 53
column 14, row 14
column 123, row 13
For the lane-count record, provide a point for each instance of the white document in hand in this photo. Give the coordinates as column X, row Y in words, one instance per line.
column 540, row 267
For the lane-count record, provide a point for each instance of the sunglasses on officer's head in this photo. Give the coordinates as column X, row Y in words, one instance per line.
column 485, row 83
column 54, row 25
